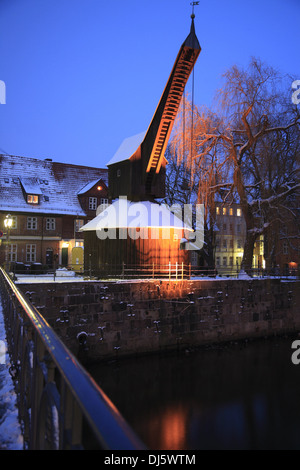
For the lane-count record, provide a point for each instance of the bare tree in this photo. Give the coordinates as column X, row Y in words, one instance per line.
column 250, row 145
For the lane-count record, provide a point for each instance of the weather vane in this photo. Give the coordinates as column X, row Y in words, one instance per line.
column 193, row 4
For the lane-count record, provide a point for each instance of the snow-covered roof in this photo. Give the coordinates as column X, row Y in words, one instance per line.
column 88, row 186
column 126, row 214
column 57, row 185
column 31, row 185
column 127, row 148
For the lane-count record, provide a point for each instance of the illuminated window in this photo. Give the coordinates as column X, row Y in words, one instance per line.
column 224, row 210
column 32, row 199
column 93, row 203
column 239, row 212
column 231, row 211
column 14, row 222
column 218, row 210
column 31, row 223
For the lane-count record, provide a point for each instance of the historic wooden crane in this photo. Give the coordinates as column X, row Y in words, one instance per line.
column 137, row 170
column 152, row 237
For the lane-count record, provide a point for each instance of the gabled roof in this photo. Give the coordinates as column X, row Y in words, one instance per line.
column 126, row 214
column 57, row 185
column 89, row 186
column 127, row 148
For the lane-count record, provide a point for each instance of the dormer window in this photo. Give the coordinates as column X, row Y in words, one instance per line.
column 93, row 203
column 32, row 199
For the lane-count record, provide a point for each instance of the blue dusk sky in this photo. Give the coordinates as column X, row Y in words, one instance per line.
column 83, row 75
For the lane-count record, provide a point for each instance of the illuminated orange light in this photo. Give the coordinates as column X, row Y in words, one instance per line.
column 173, row 427
column 99, row 188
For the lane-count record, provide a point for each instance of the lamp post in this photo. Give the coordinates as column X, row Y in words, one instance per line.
column 7, row 224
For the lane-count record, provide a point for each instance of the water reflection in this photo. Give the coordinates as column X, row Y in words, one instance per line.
column 238, row 397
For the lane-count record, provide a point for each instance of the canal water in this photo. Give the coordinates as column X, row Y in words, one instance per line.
column 238, row 396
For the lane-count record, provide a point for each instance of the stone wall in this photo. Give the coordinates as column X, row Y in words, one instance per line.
column 100, row 320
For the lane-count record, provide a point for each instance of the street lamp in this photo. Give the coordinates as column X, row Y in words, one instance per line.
column 8, row 221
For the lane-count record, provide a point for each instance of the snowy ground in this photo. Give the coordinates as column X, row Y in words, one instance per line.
column 10, row 432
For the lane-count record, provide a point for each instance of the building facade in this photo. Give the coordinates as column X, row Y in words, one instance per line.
column 230, row 238
column 48, row 203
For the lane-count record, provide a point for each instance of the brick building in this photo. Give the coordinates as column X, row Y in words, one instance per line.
column 230, row 238
column 48, row 202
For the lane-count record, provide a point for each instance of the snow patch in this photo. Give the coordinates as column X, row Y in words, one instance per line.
column 10, row 432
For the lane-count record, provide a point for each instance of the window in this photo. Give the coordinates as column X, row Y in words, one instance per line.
column 78, row 224
column 224, row 261
column 225, row 244
column 31, row 223
column 30, row 253
column 79, row 244
column 50, row 223
column 217, row 242
column 238, row 228
column 32, row 199
column 14, row 222
column 231, row 243
column 12, row 253
column 230, row 211
column 224, row 210
column 224, row 227
column 231, row 227
column 239, row 212
column 104, row 200
column 218, row 210
column 231, row 260
column 285, row 248
column 93, row 203
column 118, row 173
column 218, row 261
column 239, row 243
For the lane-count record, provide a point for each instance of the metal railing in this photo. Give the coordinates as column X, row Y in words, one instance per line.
column 174, row 271
column 60, row 405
